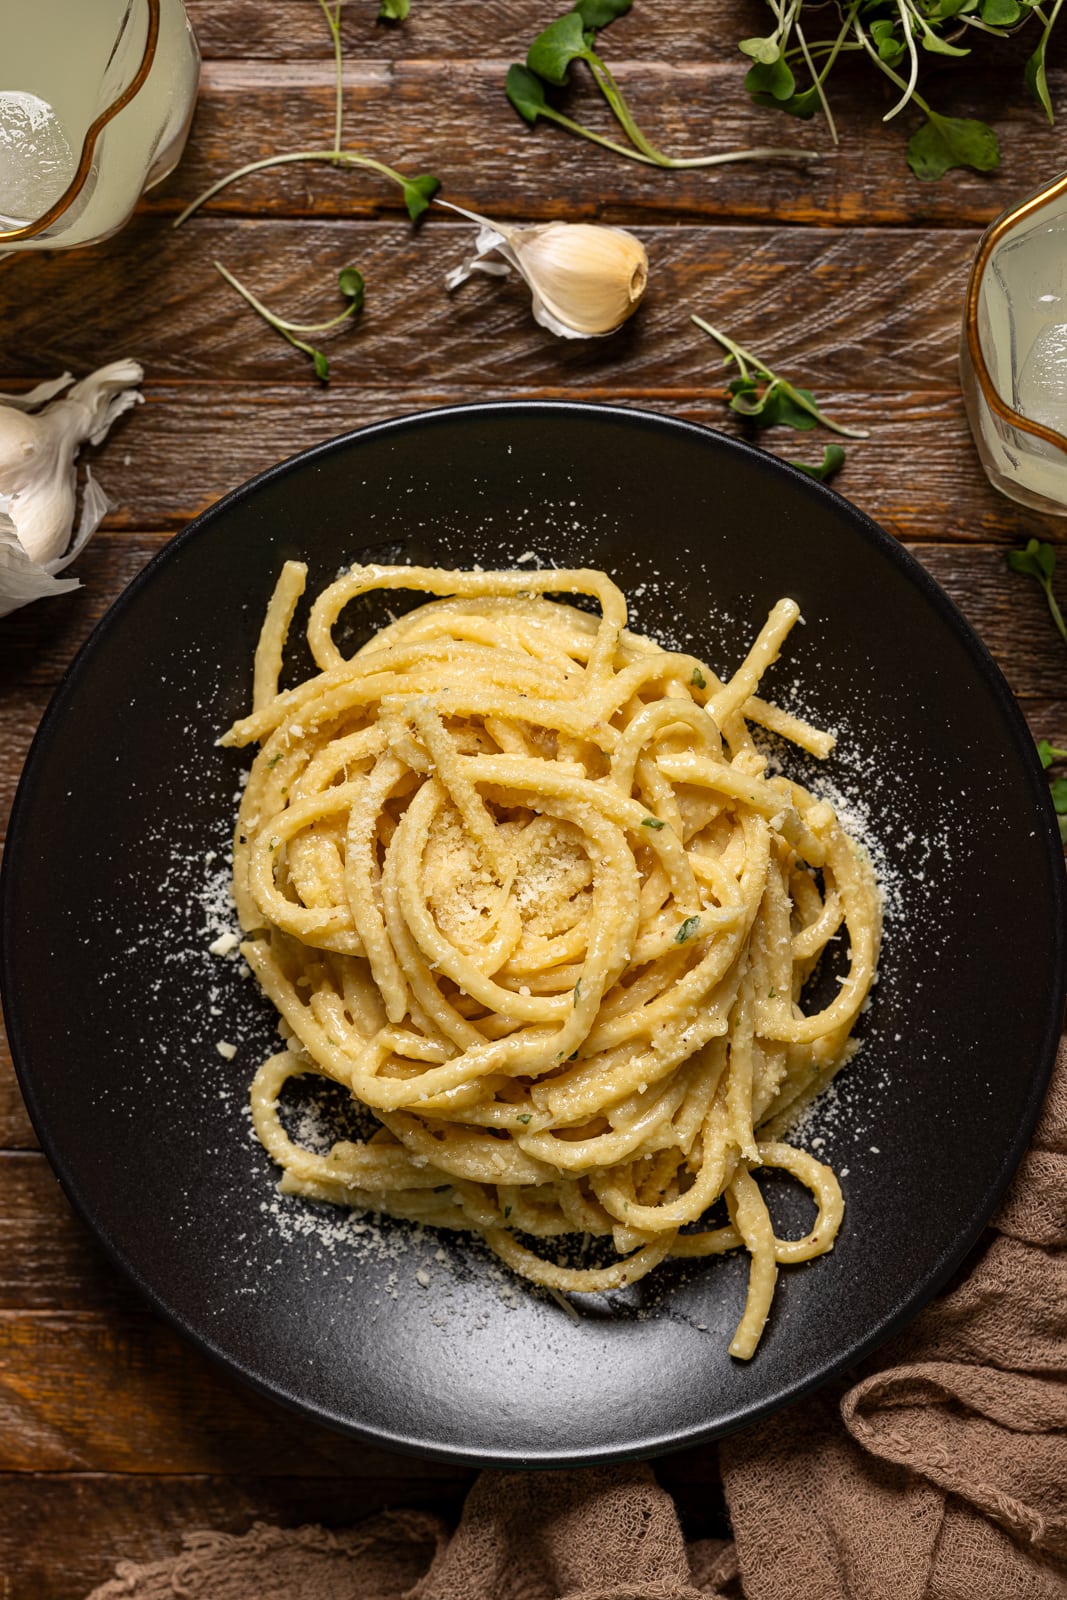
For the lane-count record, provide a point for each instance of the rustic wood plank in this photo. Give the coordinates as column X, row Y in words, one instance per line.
column 917, row 474
column 194, row 443
column 62, row 1535
column 120, row 1392
column 1009, row 614
column 47, row 1257
column 16, row 1130
column 867, row 312
column 445, row 30
column 452, row 118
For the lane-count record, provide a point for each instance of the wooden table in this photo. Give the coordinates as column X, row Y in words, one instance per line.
column 847, row 276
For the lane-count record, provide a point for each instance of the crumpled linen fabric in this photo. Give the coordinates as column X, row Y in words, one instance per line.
column 938, row 1471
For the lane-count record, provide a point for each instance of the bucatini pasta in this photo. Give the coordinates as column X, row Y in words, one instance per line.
column 519, row 880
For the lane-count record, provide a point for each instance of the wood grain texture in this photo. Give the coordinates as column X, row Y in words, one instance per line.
column 95, row 1520
column 454, row 120
column 118, row 1391
column 115, row 1436
column 61, row 1535
column 868, row 312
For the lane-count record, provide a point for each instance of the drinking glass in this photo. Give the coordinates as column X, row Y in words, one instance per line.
column 1013, row 353
column 96, row 97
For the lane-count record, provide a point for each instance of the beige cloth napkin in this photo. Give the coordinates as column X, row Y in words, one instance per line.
column 940, row 1475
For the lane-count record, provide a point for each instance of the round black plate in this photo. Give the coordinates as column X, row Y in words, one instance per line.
column 115, row 1005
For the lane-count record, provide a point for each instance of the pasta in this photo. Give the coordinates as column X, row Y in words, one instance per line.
column 519, row 879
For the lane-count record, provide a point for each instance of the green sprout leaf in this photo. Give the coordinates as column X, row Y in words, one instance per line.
column 1035, row 559
column 803, row 105
column 552, row 52
column 418, row 192
column 350, row 283
column 833, row 459
column 653, row 822
column 526, row 93
column 1000, row 13
column 767, row 399
column 597, row 14
column 890, row 46
column 572, row 38
column 697, row 679
column 1038, row 560
column 943, row 143
column 765, row 51
column 1048, row 753
column 394, row 10
column 773, row 78
column 1036, row 80
column 1058, row 791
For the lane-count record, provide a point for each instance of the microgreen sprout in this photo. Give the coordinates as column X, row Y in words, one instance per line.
column 767, row 399
column 1038, row 560
column 350, row 283
column 1050, row 755
column 394, row 10
column 573, row 38
column 833, row 459
column 417, row 192
column 789, row 68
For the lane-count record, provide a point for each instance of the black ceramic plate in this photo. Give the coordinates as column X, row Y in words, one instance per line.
column 115, row 1005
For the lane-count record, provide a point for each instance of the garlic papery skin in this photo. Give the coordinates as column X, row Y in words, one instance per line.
column 585, row 279
column 40, row 436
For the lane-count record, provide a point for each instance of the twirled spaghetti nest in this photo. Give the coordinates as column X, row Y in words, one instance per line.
column 520, row 881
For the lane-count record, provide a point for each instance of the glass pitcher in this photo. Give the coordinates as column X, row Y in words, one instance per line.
column 96, row 97
column 1013, row 353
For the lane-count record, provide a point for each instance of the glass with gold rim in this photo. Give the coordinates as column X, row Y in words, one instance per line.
column 1013, row 354
column 96, row 98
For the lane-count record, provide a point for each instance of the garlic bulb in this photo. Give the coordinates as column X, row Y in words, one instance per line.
column 585, row 279
column 40, row 436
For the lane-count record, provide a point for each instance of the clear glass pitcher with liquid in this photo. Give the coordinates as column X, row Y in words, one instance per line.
column 1013, row 353
column 96, row 97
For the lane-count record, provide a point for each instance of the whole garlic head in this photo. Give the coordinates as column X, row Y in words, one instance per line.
column 585, row 279
column 40, row 436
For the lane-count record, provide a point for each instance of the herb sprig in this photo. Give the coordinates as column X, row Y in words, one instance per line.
column 1038, row 560
column 789, row 69
column 1051, row 756
column 573, row 38
column 767, row 399
column 417, row 191
column 350, row 283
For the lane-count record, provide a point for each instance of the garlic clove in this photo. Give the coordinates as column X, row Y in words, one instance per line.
column 37, row 397
column 585, row 279
column 40, row 436
column 21, row 579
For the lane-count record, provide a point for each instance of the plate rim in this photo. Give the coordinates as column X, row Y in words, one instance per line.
column 948, row 613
